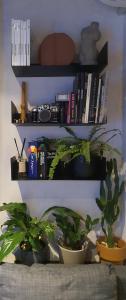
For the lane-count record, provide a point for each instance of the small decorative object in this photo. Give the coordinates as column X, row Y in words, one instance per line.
column 23, row 103
column 57, row 49
column 109, row 247
column 88, row 51
column 21, row 161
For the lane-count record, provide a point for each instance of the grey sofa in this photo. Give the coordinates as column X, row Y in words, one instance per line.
column 62, row 282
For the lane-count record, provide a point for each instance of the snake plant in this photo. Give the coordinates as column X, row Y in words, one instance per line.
column 108, row 202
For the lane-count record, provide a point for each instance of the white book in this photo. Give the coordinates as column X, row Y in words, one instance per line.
column 22, row 44
column 13, row 42
column 28, row 42
column 88, row 98
column 98, row 100
column 18, row 41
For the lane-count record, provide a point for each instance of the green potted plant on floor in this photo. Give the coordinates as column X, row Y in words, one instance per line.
column 110, row 248
column 26, row 235
column 72, row 233
column 88, row 152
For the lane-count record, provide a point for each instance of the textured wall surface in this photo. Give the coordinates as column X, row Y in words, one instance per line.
column 46, row 17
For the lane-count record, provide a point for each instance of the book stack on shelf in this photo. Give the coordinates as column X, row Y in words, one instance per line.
column 87, row 103
column 20, row 42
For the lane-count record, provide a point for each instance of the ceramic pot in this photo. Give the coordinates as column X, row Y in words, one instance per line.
column 116, row 254
column 72, row 256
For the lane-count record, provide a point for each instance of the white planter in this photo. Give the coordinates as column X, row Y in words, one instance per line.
column 72, row 256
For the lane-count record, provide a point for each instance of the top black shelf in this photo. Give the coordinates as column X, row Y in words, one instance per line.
column 56, row 71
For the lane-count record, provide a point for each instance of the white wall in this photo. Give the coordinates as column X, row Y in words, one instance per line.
column 47, row 17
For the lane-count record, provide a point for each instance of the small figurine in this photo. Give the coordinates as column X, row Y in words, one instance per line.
column 88, row 51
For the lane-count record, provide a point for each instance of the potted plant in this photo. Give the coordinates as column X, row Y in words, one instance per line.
column 84, row 156
column 109, row 247
column 24, row 235
column 72, row 235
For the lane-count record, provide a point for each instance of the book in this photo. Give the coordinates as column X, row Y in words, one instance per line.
column 28, row 42
column 72, row 108
column 68, row 108
column 88, row 94
column 103, row 99
column 15, row 42
column 41, row 161
column 84, row 96
column 93, row 97
column 13, row 45
column 98, row 101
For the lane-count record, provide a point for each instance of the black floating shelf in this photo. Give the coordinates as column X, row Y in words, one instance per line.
column 54, row 124
column 67, row 70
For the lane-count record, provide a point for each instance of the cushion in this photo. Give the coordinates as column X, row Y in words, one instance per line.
column 57, row 282
column 121, row 281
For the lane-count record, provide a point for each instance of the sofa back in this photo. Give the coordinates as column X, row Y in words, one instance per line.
column 57, row 282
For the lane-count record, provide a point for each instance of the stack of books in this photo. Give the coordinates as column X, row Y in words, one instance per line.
column 20, row 42
column 87, row 102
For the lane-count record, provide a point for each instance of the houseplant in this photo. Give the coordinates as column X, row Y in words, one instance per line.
column 109, row 247
column 89, row 151
column 25, row 235
column 72, row 233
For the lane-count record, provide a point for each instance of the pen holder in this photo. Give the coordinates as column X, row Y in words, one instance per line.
column 22, row 167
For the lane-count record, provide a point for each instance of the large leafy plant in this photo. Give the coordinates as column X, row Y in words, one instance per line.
column 73, row 227
column 30, row 233
column 70, row 147
column 108, row 202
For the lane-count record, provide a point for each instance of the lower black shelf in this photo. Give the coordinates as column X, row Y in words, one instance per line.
column 77, row 169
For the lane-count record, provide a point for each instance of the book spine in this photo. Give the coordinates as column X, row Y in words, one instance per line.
column 88, row 98
column 68, row 108
column 103, row 105
column 18, row 42
column 72, row 108
column 28, row 42
column 13, row 51
column 98, row 101
column 78, row 96
column 81, row 96
column 32, row 161
column 24, row 43
column 41, row 161
column 93, row 98
column 84, row 96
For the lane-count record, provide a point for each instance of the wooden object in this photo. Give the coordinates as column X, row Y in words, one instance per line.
column 57, row 49
column 23, row 103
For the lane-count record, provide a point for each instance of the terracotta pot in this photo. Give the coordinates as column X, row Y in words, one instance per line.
column 116, row 254
column 72, row 256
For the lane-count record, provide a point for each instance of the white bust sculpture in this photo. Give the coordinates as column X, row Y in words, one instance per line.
column 88, row 51
column 115, row 3
column 120, row 5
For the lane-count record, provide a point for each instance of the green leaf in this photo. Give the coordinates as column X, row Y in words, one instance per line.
column 12, row 207
column 10, row 243
column 70, row 131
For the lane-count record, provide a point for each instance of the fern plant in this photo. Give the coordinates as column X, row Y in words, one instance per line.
column 110, row 191
column 71, row 147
